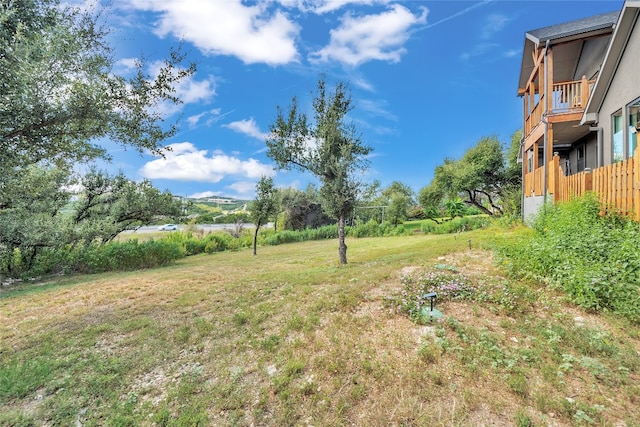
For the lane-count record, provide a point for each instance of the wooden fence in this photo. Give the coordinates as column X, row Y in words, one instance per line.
column 617, row 185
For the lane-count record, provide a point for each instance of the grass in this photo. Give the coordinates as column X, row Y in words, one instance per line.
column 291, row 338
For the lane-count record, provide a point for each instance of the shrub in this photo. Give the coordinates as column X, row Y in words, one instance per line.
column 194, row 246
column 367, row 229
column 593, row 258
column 113, row 256
column 217, row 242
column 130, row 255
column 456, row 225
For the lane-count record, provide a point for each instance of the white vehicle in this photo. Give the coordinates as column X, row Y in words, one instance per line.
column 168, row 227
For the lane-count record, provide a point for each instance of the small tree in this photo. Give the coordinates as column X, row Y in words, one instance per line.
column 263, row 207
column 398, row 197
column 328, row 147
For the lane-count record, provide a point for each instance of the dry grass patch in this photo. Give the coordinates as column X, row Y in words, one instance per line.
column 291, row 338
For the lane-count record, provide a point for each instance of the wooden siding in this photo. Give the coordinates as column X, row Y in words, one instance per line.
column 617, row 185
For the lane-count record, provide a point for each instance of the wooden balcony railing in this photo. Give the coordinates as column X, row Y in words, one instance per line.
column 569, row 96
column 617, row 185
column 534, row 118
column 565, row 97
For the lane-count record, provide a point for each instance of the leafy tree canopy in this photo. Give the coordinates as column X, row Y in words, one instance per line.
column 481, row 178
column 41, row 211
column 327, row 146
column 58, row 92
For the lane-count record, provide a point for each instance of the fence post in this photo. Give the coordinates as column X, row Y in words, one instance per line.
column 636, row 183
column 554, row 176
column 588, row 179
column 584, row 92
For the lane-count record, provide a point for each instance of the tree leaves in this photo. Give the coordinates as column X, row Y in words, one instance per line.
column 329, row 148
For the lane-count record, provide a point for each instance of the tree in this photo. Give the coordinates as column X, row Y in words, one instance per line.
column 40, row 211
column 512, row 189
column 480, row 178
column 328, row 147
column 58, row 92
column 32, row 217
column 455, row 207
column 109, row 205
column 397, row 210
column 301, row 209
column 263, row 207
column 396, row 187
column 398, row 197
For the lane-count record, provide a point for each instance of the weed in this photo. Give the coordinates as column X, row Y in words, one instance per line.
column 523, row 419
column 519, row 384
column 429, row 352
column 592, row 257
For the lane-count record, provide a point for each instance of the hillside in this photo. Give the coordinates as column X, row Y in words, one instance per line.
column 290, row 338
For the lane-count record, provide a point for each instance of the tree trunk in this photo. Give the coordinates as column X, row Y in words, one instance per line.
column 255, row 239
column 342, row 246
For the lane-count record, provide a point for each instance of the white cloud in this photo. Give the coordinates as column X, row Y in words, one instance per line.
column 293, row 184
column 495, row 23
column 203, row 194
column 455, row 15
column 192, row 121
column 208, row 117
column 479, row 50
column 371, row 37
column 243, row 187
column 185, row 162
column 377, row 108
column 248, row 127
column 511, row 53
column 325, row 6
column 127, row 64
column 253, row 33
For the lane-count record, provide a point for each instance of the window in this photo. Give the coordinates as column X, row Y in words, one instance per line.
column 634, row 126
column 581, row 157
column 530, row 161
column 618, row 137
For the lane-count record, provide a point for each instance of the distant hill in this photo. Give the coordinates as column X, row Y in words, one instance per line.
column 224, row 203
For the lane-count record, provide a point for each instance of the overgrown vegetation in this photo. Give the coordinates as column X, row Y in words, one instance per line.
column 487, row 177
column 593, row 257
column 131, row 254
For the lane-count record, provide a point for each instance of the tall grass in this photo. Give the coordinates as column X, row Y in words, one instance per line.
column 594, row 258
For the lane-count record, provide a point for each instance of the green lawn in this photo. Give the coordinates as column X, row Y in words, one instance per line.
column 289, row 337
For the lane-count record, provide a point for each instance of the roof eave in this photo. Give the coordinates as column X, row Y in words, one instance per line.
column 624, row 26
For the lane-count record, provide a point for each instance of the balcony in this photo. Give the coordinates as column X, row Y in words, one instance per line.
column 567, row 99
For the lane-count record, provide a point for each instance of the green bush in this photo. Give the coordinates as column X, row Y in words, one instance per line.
column 428, row 227
column 194, row 246
column 371, row 228
column 130, row 255
column 593, row 258
column 113, row 256
column 456, row 225
column 218, row 242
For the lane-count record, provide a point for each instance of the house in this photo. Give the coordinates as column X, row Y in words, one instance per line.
column 580, row 85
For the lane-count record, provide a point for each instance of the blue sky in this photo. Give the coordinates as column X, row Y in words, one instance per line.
column 429, row 79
